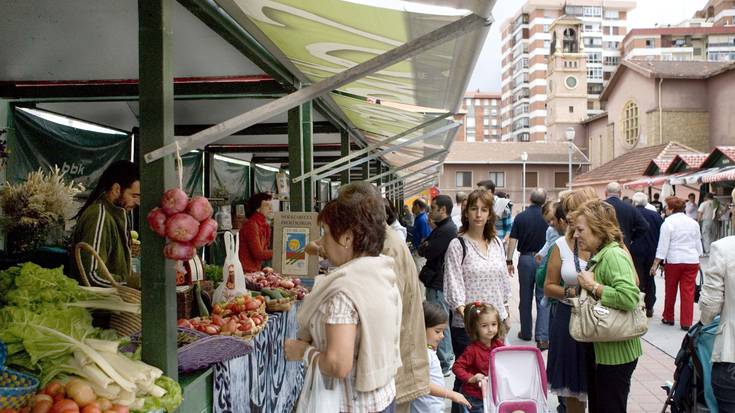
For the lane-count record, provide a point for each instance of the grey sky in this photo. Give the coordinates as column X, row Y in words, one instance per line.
column 648, row 13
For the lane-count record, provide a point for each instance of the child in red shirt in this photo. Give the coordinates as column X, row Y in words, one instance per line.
column 487, row 332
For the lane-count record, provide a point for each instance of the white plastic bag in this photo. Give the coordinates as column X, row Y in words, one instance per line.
column 233, row 278
column 315, row 397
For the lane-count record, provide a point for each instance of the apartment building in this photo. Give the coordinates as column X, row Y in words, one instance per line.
column 714, row 43
column 480, row 117
column 526, row 40
column 719, row 12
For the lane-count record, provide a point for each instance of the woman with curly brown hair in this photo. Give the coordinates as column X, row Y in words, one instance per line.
column 610, row 277
column 349, row 326
column 474, row 268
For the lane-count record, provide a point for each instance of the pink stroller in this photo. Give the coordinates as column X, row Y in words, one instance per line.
column 517, row 381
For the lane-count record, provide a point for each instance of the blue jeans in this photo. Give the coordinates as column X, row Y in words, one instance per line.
column 477, row 405
column 723, row 385
column 444, row 352
column 528, row 290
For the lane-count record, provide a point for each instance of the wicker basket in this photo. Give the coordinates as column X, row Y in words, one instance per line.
column 16, row 388
column 124, row 323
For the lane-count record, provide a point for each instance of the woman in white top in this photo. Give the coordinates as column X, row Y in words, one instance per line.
column 474, row 268
column 680, row 245
column 349, row 326
column 566, row 367
column 718, row 298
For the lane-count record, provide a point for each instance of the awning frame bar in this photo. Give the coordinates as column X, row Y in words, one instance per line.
column 408, row 165
column 389, row 149
column 413, row 173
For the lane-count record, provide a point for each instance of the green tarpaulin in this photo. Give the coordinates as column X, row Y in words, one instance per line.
column 193, row 173
column 83, row 154
column 230, row 179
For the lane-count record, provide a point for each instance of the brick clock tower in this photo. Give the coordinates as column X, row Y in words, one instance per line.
column 566, row 79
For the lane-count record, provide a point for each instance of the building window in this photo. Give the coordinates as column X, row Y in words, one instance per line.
column 546, row 28
column 560, row 179
column 595, row 57
column 612, row 14
column 470, row 122
column 612, row 60
column 498, row 178
column 531, row 179
column 650, row 43
column 630, row 124
column 463, row 179
column 494, row 102
column 571, row 109
column 594, row 73
column 524, row 137
column 594, row 88
column 468, row 102
column 547, row 44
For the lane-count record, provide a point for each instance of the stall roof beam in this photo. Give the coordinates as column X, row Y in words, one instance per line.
column 421, row 183
column 407, row 50
column 375, row 146
column 388, row 150
column 275, row 128
column 230, row 87
column 406, row 166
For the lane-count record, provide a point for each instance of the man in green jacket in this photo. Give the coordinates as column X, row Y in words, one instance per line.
column 103, row 223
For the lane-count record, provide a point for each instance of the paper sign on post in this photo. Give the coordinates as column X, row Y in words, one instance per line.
column 292, row 233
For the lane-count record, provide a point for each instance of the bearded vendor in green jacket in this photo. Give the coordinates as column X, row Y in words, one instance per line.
column 103, row 222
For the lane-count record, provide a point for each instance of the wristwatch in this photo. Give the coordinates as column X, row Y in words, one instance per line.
column 508, row 262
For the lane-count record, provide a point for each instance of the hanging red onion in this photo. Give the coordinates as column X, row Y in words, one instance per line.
column 182, row 251
column 200, row 208
column 181, row 227
column 207, row 233
column 157, row 221
column 174, row 200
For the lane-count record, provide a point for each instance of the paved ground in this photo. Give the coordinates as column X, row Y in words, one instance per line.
column 655, row 367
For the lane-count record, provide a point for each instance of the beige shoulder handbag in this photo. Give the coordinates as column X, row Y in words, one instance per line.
column 593, row 322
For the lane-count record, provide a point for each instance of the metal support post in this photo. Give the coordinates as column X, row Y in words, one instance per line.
column 401, row 53
column 308, row 154
column 299, row 148
column 345, row 152
column 158, row 280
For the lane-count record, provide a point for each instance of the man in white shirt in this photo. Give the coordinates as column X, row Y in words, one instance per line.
column 706, row 215
column 460, row 198
column 691, row 207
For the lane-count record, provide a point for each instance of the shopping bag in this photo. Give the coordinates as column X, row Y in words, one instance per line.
column 315, row 396
column 233, row 284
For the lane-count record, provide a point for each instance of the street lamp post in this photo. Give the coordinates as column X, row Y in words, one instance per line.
column 570, row 140
column 524, row 158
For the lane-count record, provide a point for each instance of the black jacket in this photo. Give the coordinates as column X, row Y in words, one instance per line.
column 644, row 248
column 631, row 221
column 433, row 249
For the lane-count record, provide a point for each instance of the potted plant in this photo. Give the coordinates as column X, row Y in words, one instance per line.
column 36, row 206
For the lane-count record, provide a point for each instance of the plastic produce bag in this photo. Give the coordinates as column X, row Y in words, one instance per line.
column 315, row 396
column 233, row 283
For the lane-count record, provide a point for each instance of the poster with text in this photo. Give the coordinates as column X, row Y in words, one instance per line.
column 294, row 247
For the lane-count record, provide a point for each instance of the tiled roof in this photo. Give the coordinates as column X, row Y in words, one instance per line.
column 510, row 152
column 631, row 165
column 729, row 151
column 677, row 69
column 667, row 69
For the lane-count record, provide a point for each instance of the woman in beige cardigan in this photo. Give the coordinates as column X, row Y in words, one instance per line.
column 349, row 324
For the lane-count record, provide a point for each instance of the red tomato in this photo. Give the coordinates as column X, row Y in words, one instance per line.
column 92, row 408
column 65, row 406
column 217, row 320
column 8, row 411
column 252, row 305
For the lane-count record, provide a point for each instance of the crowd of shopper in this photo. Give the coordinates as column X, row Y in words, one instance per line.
column 389, row 343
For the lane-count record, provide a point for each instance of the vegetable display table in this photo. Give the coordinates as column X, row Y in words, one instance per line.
column 262, row 381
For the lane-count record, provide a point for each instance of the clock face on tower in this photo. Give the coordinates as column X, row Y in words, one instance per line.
column 570, row 82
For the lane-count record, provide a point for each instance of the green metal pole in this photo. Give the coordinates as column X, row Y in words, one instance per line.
column 307, row 132
column 158, row 276
column 345, row 151
column 366, row 170
column 295, row 158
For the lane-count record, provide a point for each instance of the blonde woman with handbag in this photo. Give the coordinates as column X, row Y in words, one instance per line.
column 613, row 283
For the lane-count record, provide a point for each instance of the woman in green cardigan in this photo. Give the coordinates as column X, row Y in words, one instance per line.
column 612, row 281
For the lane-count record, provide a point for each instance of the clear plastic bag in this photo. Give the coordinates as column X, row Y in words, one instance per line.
column 315, row 396
column 233, row 283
